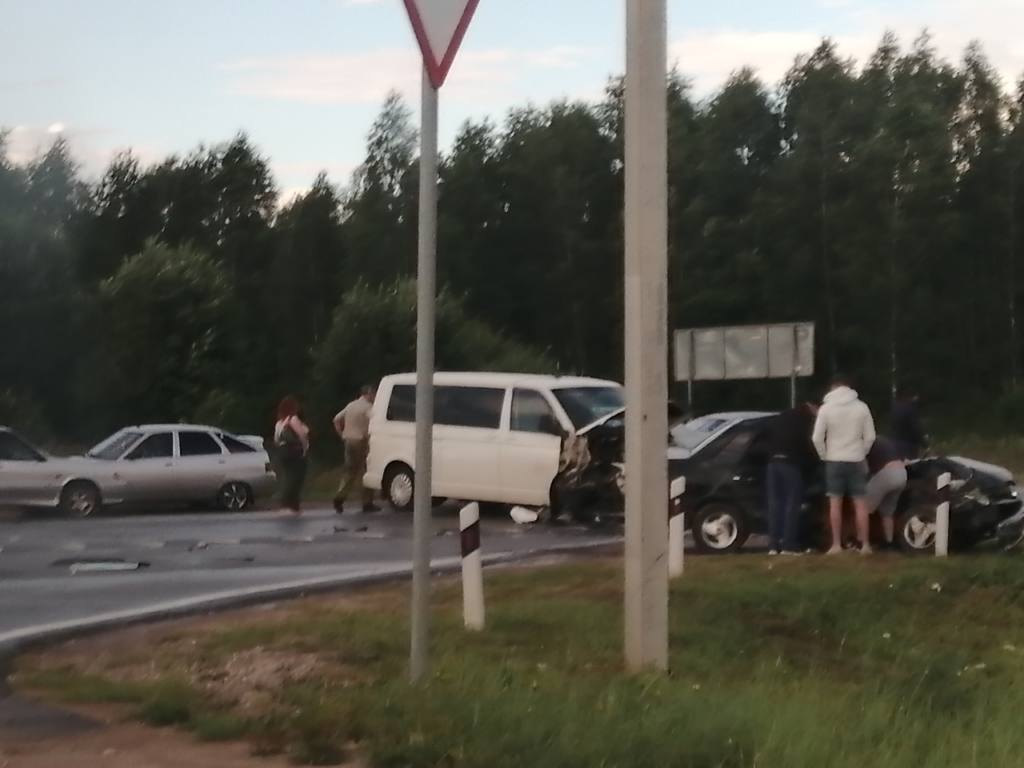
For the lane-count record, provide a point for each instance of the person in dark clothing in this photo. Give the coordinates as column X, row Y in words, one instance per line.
column 291, row 443
column 791, row 457
column 905, row 427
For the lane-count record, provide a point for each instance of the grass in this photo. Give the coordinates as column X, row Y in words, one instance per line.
column 888, row 661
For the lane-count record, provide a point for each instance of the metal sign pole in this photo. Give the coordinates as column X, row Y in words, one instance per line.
column 426, row 280
column 795, row 368
column 646, row 336
column 689, row 381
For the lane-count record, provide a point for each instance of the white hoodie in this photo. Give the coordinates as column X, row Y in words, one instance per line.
column 844, row 429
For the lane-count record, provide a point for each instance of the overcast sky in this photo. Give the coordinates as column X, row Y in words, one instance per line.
column 305, row 78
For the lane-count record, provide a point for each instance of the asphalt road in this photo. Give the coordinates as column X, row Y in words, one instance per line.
column 195, row 556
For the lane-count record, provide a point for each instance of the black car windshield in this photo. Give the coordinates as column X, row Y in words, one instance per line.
column 694, row 433
column 113, row 447
column 585, row 405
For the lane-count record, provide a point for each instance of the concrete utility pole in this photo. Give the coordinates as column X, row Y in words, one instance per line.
column 426, row 290
column 646, row 335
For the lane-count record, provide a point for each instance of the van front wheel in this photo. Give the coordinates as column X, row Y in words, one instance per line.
column 399, row 487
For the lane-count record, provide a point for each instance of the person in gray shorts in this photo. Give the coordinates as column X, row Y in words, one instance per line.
column 843, row 434
column 888, row 481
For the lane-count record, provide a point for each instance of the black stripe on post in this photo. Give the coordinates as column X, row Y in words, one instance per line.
column 470, row 539
column 675, row 507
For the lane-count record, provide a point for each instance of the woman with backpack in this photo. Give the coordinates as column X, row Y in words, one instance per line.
column 291, row 439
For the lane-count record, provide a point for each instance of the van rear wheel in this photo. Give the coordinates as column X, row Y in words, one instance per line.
column 399, row 487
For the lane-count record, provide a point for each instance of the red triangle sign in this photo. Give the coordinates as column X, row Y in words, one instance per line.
column 440, row 26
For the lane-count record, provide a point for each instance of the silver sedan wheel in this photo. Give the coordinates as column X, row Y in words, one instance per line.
column 919, row 533
column 400, row 490
column 234, row 497
column 720, row 530
column 80, row 500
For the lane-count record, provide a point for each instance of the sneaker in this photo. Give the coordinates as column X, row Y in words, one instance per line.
column 835, row 551
column 772, row 552
column 339, row 506
column 792, row 553
column 866, row 550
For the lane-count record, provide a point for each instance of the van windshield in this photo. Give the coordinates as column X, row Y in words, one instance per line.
column 585, row 405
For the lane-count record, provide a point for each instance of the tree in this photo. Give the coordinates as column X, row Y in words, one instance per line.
column 380, row 223
column 817, row 97
column 306, row 278
column 39, row 305
column 167, row 318
column 373, row 334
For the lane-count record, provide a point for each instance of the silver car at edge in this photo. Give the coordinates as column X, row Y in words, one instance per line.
column 156, row 463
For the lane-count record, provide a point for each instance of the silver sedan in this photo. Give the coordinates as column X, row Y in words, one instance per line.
column 174, row 463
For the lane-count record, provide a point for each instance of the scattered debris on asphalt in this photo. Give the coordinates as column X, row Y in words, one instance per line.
column 109, row 566
column 524, row 516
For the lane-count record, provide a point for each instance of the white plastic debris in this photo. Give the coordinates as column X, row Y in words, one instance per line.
column 936, row 587
column 110, row 567
column 524, row 516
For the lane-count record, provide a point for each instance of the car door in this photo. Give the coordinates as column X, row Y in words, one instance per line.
column 466, row 442
column 531, row 449
column 26, row 477
column 201, row 466
column 147, row 470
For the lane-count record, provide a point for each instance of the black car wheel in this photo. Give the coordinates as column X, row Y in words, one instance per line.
column 234, row 497
column 80, row 499
column 915, row 529
column 719, row 529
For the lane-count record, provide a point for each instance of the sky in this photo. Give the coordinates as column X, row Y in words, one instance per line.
column 305, row 78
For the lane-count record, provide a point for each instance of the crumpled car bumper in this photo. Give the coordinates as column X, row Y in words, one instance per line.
column 1011, row 531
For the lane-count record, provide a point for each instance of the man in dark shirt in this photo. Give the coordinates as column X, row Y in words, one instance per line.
column 791, row 456
column 905, row 427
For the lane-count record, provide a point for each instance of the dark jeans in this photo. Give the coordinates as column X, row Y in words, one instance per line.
column 293, row 474
column 785, row 486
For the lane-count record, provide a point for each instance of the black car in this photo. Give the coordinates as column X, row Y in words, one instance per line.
column 723, row 457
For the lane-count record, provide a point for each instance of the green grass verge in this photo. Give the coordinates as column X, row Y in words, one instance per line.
column 812, row 662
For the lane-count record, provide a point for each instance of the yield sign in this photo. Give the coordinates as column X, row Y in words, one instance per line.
column 440, row 26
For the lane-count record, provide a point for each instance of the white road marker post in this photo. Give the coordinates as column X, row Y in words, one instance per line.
column 676, row 528
column 942, row 516
column 472, row 568
column 646, row 335
column 439, row 26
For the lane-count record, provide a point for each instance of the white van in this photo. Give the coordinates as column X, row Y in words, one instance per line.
column 497, row 436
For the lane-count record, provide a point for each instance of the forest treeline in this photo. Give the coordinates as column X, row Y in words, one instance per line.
column 881, row 199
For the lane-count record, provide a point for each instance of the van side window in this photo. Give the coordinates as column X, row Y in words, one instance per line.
column 402, row 405
column 478, row 407
column 531, row 413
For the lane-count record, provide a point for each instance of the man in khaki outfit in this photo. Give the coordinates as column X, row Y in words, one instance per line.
column 353, row 427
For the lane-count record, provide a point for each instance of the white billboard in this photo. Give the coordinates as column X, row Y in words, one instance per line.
column 778, row 351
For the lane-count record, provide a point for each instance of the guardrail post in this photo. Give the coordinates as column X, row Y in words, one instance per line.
column 676, row 527
column 472, row 567
column 942, row 516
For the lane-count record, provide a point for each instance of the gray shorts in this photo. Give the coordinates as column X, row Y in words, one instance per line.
column 885, row 488
column 846, row 479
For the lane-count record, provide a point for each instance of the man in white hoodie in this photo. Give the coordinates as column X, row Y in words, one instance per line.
column 843, row 434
